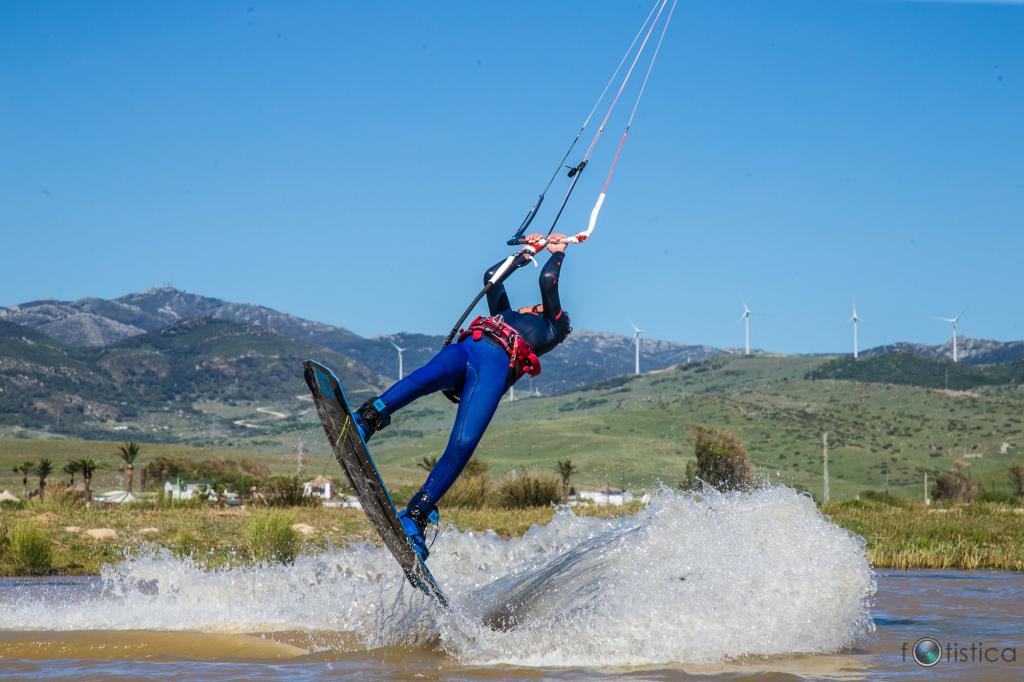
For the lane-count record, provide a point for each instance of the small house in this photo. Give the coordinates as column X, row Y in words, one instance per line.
column 320, row 486
column 181, row 489
column 607, row 495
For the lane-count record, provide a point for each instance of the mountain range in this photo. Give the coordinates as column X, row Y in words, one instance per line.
column 97, row 363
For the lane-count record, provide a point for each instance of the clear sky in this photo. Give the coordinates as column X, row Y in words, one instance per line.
column 362, row 164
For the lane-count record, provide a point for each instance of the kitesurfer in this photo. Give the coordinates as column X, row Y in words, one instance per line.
column 489, row 357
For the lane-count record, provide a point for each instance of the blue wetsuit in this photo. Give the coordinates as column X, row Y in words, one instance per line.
column 479, row 372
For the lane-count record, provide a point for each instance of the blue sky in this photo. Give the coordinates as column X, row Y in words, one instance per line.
column 362, row 164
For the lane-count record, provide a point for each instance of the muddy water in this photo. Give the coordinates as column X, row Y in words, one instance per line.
column 755, row 587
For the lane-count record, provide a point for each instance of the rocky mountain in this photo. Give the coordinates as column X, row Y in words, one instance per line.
column 95, row 322
column 969, row 351
column 584, row 358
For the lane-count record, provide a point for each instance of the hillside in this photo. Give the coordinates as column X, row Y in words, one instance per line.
column 133, row 385
column 917, row 370
column 638, row 430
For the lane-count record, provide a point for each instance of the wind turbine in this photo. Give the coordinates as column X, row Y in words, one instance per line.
column 637, row 331
column 954, row 321
column 747, row 312
column 401, row 371
column 854, row 318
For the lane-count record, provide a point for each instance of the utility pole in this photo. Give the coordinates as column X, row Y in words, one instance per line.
column 926, row 500
column 299, row 447
column 824, row 459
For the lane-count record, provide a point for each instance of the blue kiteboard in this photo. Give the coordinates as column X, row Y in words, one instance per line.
column 354, row 457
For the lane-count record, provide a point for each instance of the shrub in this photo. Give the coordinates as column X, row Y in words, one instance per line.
column 282, row 491
column 529, row 490
column 469, row 491
column 883, row 497
column 955, row 485
column 272, row 538
column 722, row 461
column 28, row 550
column 1016, row 472
column 993, row 497
column 186, row 544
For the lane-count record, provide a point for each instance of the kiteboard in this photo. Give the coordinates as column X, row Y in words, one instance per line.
column 354, row 457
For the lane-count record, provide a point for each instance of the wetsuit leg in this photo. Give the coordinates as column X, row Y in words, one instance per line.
column 445, row 370
column 486, row 374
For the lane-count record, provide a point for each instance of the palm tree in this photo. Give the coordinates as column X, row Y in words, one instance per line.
column 43, row 469
column 25, row 468
column 566, row 469
column 427, row 463
column 87, row 465
column 129, row 452
column 71, row 468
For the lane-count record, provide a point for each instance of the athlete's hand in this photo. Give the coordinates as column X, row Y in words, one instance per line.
column 557, row 242
column 535, row 240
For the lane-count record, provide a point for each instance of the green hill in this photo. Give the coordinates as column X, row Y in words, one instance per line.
column 917, row 370
column 638, row 430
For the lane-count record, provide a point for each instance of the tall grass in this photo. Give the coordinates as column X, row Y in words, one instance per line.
column 57, row 501
column 528, row 490
column 28, row 550
column 272, row 538
column 911, row 535
column 468, row 492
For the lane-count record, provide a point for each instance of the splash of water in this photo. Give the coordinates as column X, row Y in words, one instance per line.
column 685, row 580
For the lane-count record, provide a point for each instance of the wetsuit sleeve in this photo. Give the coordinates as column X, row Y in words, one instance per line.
column 497, row 298
column 549, row 287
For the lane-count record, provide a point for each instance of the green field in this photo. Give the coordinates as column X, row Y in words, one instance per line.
column 637, row 430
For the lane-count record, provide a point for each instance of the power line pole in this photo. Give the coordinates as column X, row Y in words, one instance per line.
column 824, row 459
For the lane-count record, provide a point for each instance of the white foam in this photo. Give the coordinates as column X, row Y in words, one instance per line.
column 685, row 580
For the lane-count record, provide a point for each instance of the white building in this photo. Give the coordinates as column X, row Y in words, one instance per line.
column 180, row 489
column 608, row 495
column 318, row 487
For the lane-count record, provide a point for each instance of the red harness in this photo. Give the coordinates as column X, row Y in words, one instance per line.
column 521, row 357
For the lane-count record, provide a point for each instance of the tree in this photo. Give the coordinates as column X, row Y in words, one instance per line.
column 129, row 452
column 43, row 469
column 1017, row 479
column 87, row 466
column 427, row 463
column 566, row 469
column 71, row 468
column 722, row 461
column 25, row 468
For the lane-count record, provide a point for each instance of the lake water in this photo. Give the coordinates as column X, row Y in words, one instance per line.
column 752, row 587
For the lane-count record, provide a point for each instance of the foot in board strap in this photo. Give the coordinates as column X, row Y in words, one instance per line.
column 418, row 513
column 371, row 417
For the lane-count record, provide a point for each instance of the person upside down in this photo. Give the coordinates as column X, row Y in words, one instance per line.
column 490, row 356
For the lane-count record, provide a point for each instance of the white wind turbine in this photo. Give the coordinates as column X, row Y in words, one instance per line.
column 637, row 331
column 747, row 312
column 855, row 319
column 954, row 321
column 401, row 369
